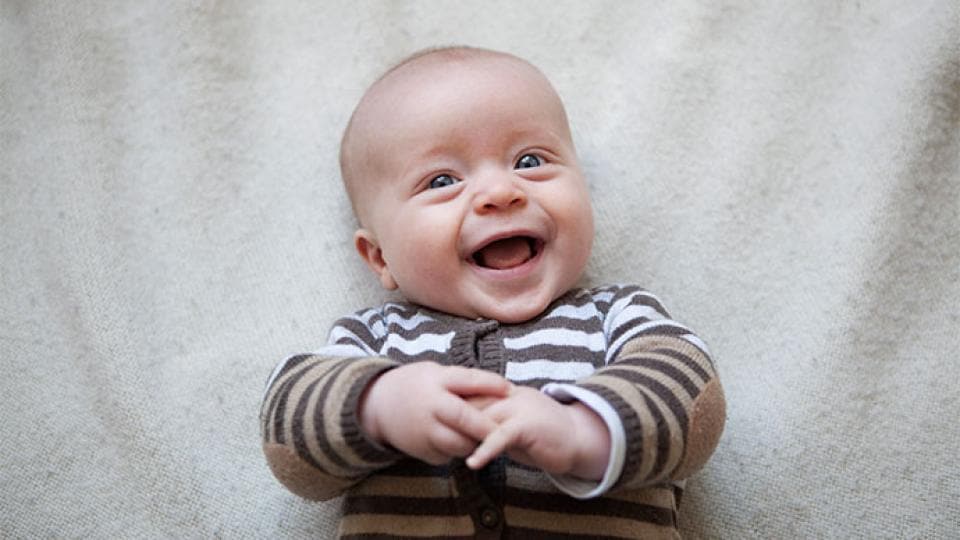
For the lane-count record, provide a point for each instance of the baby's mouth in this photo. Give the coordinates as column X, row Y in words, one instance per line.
column 507, row 253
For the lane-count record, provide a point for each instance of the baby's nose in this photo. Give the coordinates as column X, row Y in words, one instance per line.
column 498, row 192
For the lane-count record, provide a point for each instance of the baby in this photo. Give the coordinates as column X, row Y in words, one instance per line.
column 499, row 400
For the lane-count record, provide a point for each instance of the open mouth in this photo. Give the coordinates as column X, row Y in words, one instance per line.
column 507, row 253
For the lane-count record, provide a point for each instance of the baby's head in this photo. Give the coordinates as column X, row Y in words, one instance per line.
column 462, row 172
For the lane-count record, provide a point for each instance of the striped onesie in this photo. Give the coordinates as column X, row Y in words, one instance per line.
column 613, row 348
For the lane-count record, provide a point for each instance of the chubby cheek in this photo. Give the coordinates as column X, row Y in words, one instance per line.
column 574, row 216
column 578, row 252
column 420, row 254
column 587, row 230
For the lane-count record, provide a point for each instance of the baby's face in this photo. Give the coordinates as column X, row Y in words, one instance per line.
column 468, row 188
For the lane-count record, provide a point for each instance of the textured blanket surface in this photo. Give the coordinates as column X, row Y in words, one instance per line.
column 785, row 176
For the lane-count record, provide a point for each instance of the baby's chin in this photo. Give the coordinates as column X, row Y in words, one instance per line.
column 510, row 316
column 511, row 310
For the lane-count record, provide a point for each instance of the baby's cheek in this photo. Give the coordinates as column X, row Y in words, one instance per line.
column 575, row 203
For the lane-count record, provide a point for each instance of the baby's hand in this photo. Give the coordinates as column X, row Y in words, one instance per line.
column 539, row 431
column 421, row 409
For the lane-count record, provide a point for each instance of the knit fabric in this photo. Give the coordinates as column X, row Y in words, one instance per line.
column 616, row 342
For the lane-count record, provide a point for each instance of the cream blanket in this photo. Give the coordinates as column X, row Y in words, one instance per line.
column 786, row 176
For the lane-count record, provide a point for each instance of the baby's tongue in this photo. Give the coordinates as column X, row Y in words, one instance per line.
column 505, row 253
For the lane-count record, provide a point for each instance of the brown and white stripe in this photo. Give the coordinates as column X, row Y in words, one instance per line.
column 616, row 342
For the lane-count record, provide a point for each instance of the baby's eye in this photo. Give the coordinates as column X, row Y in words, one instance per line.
column 443, row 180
column 528, row 161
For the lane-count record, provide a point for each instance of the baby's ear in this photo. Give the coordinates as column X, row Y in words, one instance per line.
column 369, row 250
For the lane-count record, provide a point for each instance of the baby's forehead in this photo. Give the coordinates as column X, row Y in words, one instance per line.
column 407, row 84
column 404, row 85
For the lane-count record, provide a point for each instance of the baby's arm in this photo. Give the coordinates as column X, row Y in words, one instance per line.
column 330, row 419
column 662, row 384
column 310, row 425
column 329, row 422
column 311, row 438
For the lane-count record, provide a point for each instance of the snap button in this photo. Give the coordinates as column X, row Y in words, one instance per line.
column 490, row 517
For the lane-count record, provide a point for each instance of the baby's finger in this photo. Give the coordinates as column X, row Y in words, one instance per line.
column 495, row 444
column 481, row 402
column 500, row 410
column 459, row 416
column 448, row 443
column 472, row 382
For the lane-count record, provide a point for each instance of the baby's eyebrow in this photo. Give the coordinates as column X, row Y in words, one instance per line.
column 420, row 163
column 436, row 152
column 542, row 133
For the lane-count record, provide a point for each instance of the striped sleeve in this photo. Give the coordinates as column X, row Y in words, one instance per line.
column 308, row 419
column 660, row 379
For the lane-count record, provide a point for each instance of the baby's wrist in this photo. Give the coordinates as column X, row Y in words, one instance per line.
column 366, row 411
column 592, row 443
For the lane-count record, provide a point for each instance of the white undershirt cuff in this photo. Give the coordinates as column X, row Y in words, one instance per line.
column 578, row 487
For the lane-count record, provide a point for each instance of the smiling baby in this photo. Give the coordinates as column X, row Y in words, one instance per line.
column 499, row 400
